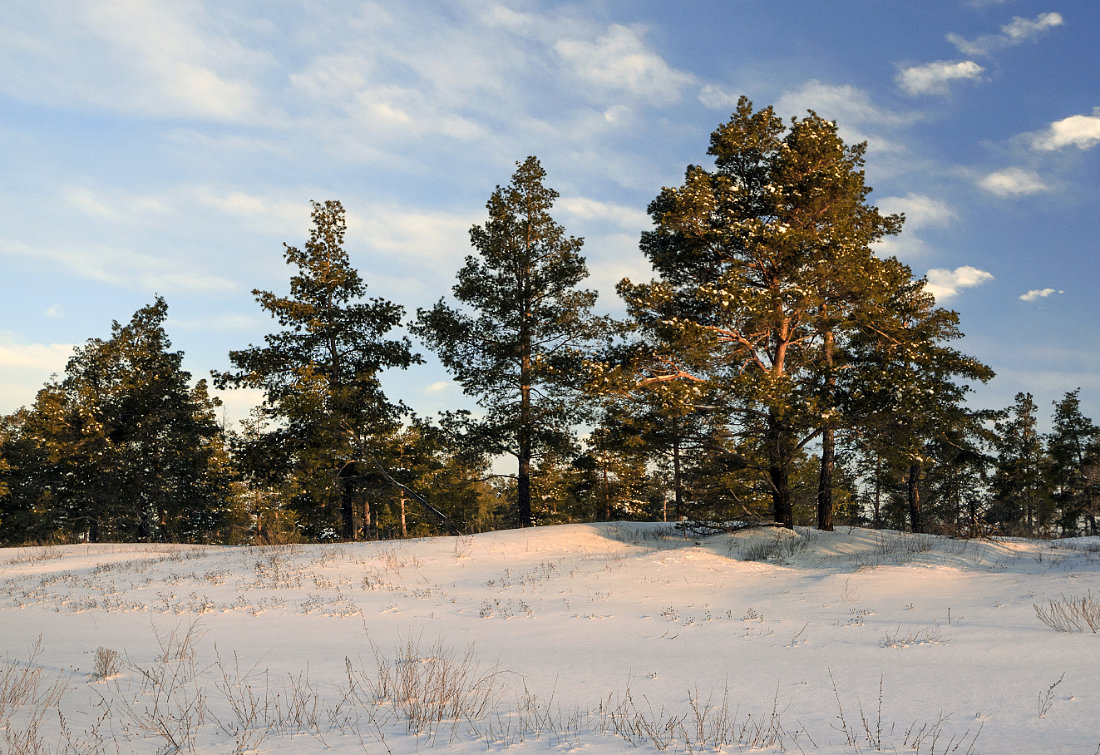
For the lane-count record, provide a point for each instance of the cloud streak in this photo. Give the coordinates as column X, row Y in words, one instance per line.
column 1013, row 182
column 944, row 284
column 936, row 77
column 1017, row 31
column 1039, row 293
column 1081, row 131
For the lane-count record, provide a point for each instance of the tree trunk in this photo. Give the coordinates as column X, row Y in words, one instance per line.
column 779, row 474
column 876, row 522
column 404, row 528
column 347, row 501
column 606, row 492
column 828, row 447
column 916, row 517
column 677, row 483
column 781, row 496
column 825, row 481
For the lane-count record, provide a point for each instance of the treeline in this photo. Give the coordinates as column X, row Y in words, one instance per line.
column 774, row 370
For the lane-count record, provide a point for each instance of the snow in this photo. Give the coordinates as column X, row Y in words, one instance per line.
column 584, row 638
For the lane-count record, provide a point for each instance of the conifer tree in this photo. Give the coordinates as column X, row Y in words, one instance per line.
column 1073, row 446
column 517, row 340
column 122, row 447
column 762, row 262
column 903, row 387
column 320, row 374
column 1021, row 494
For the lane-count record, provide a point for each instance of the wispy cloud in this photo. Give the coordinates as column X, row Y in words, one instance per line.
column 591, row 209
column 619, row 61
column 858, row 118
column 1013, row 182
column 143, row 58
column 1039, row 293
column 1015, row 32
column 943, row 284
column 120, row 267
column 921, row 211
column 936, row 77
column 113, row 206
column 1081, row 131
column 26, row 367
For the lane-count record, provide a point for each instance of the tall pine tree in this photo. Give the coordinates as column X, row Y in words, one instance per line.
column 320, row 376
column 519, row 336
column 762, row 262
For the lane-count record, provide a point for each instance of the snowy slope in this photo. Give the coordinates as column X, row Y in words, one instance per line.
column 585, row 638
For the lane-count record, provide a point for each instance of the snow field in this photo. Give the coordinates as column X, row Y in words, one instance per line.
column 585, row 638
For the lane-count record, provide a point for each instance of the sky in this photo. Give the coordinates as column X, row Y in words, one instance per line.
column 172, row 148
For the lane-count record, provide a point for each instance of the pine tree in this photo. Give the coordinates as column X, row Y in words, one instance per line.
column 122, row 447
column 518, row 341
column 762, row 264
column 320, row 374
column 1021, row 494
column 1073, row 446
column 903, row 387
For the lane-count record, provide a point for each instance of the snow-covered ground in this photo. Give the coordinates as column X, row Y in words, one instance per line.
column 579, row 638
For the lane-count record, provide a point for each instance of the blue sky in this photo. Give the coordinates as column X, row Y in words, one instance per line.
column 171, row 148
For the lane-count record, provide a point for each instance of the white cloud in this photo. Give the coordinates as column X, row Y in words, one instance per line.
column 1021, row 29
column 135, row 56
column 25, row 367
column 1039, row 293
column 437, row 239
column 934, row 78
column 1013, row 33
column 620, row 61
column 112, row 205
column 921, row 211
column 44, row 358
column 943, row 284
column 438, row 386
column 120, row 267
column 1013, row 182
column 1081, row 131
column 591, row 209
column 858, row 118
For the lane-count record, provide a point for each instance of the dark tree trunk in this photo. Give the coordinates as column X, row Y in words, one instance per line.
column 916, row 516
column 825, row 481
column 876, row 522
column 781, row 496
column 144, row 531
column 677, row 482
column 828, row 450
column 779, row 474
column 347, row 500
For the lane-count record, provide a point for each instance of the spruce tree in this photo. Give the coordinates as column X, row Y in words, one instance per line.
column 320, row 375
column 518, row 337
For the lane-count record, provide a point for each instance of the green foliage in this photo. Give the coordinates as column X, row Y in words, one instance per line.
column 1022, row 501
column 764, row 263
column 518, row 341
column 120, row 448
column 1073, row 447
column 324, row 406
